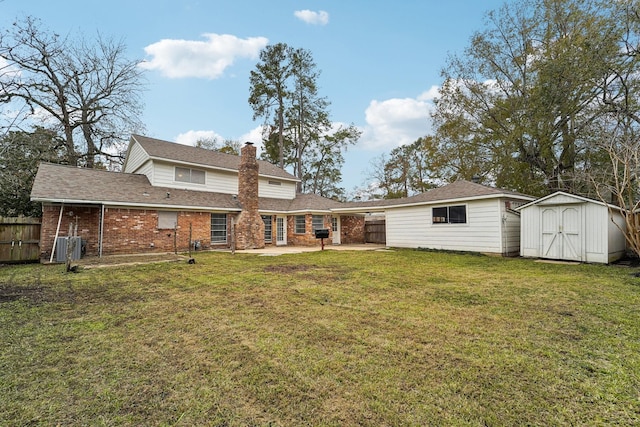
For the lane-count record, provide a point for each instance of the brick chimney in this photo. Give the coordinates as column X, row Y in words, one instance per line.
column 249, row 225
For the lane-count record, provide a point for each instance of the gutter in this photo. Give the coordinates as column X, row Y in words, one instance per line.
column 135, row 205
column 381, row 208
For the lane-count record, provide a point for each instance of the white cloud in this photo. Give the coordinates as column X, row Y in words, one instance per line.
column 396, row 121
column 311, row 17
column 203, row 59
column 254, row 135
column 430, row 95
column 193, row 136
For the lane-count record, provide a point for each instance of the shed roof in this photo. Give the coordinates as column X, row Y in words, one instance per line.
column 171, row 151
column 562, row 197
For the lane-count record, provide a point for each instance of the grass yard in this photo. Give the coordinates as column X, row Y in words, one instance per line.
column 331, row 338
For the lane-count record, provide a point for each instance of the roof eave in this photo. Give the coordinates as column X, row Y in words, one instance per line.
column 134, row 204
column 437, row 202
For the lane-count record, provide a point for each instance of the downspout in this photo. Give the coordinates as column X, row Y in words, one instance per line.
column 101, row 232
column 53, row 250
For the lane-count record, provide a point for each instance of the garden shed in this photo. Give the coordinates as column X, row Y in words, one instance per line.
column 564, row 226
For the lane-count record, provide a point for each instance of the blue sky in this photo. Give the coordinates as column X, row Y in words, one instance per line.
column 380, row 61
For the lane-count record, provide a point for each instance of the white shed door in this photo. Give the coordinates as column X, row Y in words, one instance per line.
column 561, row 228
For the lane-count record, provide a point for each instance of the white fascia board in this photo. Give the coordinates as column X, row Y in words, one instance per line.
column 279, row 177
column 581, row 199
column 431, row 202
column 311, row 211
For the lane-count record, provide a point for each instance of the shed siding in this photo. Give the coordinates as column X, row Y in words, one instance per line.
column 136, row 157
column 530, row 232
column 601, row 241
column 511, row 233
column 594, row 233
column 617, row 240
column 560, row 199
column 286, row 189
column 412, row 227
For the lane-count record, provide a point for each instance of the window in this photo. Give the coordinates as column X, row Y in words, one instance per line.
column 274, row 182
column 268, row 228
column 334, row 224
column 218, row 228
column 317, row 221
column 194, row 176
column 300, row 224
column 167, row 219
column 449, row 215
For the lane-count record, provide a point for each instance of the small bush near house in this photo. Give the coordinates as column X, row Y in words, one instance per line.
column 327, row 338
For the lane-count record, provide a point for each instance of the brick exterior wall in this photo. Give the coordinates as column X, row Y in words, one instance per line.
column 126, row 231
column 309, row 237
column 87, row 218
column 136, row 231
column 352, row 229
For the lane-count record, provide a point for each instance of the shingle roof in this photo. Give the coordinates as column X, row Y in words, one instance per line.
column 159, row 149
column 68, row 184
column 302, row 203
column 58, row 183
column 458, row 190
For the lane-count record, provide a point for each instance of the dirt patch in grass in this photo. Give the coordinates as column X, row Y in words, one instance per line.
column 10, row 293
column 286, row 269
column 122, row 260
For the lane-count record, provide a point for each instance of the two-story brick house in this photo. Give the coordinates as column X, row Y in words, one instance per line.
column 169, row 195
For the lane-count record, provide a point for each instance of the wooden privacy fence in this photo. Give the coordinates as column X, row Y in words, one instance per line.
column 19, row 239
column 374, row 232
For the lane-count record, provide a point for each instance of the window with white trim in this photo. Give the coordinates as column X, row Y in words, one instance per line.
column 268, row 228
column 449, row 214
column 194, row 176
column 317, row 221
column 218, row 228
column 300, row 224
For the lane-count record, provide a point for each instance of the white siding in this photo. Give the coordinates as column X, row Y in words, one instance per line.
column 530, row 236
column 617, row 241
column 135, row 158
column 215, row 181
column 594, row 233
column 146, row 169
column 286, row 189
column 510, row 231
column 411, row 227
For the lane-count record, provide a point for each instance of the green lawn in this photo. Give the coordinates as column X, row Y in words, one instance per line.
column 326, row 338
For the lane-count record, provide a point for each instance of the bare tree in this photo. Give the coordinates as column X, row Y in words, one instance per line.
column 617, row 183
column 88, row 92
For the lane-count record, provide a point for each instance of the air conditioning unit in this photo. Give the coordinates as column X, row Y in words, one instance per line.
column 61, row 248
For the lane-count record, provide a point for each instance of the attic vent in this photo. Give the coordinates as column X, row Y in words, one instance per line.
column 275, row 183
